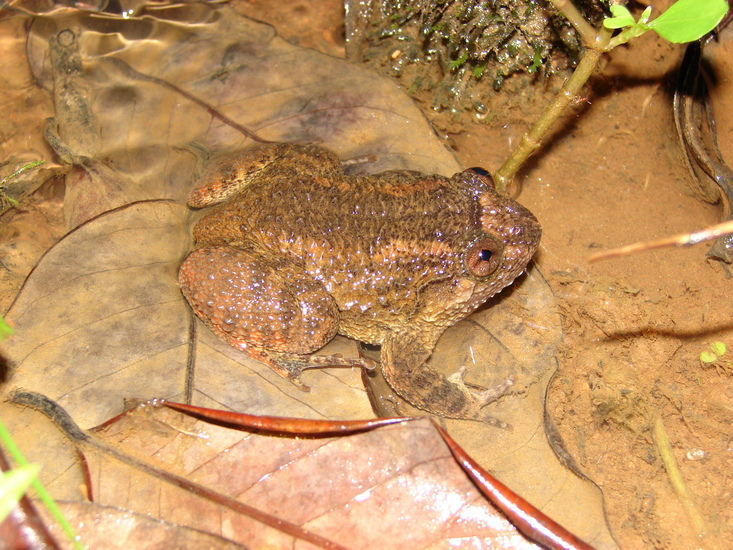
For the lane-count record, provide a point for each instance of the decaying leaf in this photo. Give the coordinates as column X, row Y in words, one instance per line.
column 396, row 486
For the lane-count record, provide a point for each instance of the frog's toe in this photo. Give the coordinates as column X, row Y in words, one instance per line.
column 482, row 397
column 479, row 399
column 492, row 394
column 458, row 377
column 488, row 396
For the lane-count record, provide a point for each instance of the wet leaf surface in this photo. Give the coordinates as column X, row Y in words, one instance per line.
column 137, row 110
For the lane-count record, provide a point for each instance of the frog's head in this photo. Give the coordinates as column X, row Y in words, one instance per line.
column 500, row 240
column 504, row 241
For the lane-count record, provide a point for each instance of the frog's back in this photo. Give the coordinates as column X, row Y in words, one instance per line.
column 296, row 250
column 374, row 242
column 356, row 222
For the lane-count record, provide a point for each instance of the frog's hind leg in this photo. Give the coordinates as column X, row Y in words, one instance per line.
column 403, row 365
column 264, row 306
column 227, row 174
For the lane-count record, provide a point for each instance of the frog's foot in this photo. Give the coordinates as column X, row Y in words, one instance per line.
column 291, row 366
column 404, row 368
column 465, row 403
column 485, row 397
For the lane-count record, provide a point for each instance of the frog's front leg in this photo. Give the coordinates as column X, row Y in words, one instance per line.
column 266, row 307
column 403, row 365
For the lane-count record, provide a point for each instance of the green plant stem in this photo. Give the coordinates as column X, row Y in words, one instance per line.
column 569, row 93
column 39, row 488
column 575, row 18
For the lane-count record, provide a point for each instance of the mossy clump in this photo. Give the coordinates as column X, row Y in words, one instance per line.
column 458, row 53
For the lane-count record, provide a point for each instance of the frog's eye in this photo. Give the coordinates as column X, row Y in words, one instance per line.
column 483, row 174
column 483, row 257
column 480, row 171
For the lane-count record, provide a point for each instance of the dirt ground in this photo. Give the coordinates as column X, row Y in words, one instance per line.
column 612, row 173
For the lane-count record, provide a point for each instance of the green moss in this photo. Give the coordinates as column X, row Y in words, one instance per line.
column 457, row 42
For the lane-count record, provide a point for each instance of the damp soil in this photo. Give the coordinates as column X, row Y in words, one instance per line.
column 612, row 173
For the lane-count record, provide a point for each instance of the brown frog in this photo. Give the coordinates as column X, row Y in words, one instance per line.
column 298, row 251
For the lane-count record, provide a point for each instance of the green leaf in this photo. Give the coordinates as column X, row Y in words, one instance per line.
column 14, row 484
column 708, row 357
column 460, row 61
column 620, row 11
column 688, row 20
column 621, row 18
column 718, row 348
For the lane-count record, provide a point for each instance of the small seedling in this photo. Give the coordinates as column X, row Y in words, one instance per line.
column 684, row 21
column 717, row 350
column 712, row 357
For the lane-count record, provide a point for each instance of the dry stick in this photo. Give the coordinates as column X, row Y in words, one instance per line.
column 597, row 44
column 686, row 239
column 678, row 484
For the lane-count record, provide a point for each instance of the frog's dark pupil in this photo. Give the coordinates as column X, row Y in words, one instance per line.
column 485, row 255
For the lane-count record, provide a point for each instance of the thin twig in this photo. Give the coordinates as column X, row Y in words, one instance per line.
column 678, row 485
column 685, row 239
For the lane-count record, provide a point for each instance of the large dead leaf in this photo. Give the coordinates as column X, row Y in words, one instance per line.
column 397, row 486
column 101, row 318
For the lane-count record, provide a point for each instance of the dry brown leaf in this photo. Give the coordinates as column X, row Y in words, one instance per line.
column 392, row 487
